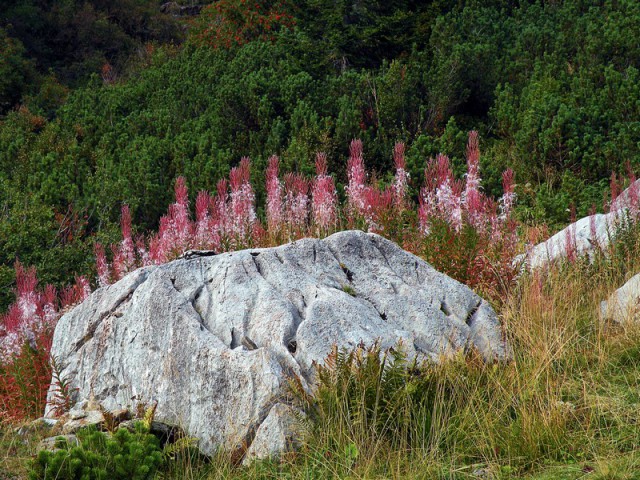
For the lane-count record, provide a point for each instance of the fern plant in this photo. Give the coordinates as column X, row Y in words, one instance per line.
column 368, row 395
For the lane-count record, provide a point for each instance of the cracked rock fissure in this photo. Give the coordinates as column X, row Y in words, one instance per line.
column 213, row 338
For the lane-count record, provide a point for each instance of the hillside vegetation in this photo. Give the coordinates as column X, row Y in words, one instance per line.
column 129, row 135
column 552, row 88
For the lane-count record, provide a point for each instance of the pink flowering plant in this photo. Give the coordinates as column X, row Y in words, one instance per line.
column 26, row 331
column 453, row 224
column 463, row 232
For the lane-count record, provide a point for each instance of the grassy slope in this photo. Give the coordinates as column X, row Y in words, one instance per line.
column 566, row 407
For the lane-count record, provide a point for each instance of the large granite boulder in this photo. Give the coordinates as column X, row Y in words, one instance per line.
column 214, row 339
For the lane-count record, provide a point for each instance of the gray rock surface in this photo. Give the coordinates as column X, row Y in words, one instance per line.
column 587, row 234
column 623, row 305
column 629, row 198
column 214, row 339
column 277, row 434
column 90, row 418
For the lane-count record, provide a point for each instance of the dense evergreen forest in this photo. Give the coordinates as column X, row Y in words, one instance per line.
column 105, row 103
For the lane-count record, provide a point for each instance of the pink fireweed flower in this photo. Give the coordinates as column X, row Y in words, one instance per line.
column 32, row 314
column 182, row 228
column 296, row 202
column 509, row 195
column 356, row 175
column 127, row 247
column 448, row 193
column 274, row 196
column 377, row 202
column 102, row 266
column 427, row 209
column 633, row 197
column 204, row 223
column 175, row 234
column 74, row 294
column 615, row 189
column 324, row 197
column 27, row 297
column 473, row 199
column 242, row 201
column 50, row 298
column 156, row 252
column 11, row 338
column 142, row 251
column 220, row 217
column 401, row 179
column 124, row 258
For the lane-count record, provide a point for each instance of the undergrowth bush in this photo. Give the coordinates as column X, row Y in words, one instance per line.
column 124, row 455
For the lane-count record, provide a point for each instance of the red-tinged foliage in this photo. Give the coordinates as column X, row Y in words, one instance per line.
column 26, row 332
column 296, row 204
column 102, row 265
column 615, row 187
column 24, row 382
column 230, row 23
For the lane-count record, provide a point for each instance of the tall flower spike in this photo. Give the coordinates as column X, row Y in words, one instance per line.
column 356, row 175
column 426, row 209
column 221, row 217
column 296, row 202
column 448, row 193
column 509, row 195
column 204, row 225
column 324, row 198
column 274, row 196
column 473, row 198
column 27, row 297
column 615, row 190
column 377, row 203
column 242, row 201
column 124, row 257
column 179, row 214
column 102, row 266
column 401, row 180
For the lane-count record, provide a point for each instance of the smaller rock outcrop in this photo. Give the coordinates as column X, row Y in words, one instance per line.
column 584, row 237
column 90, row 414
column 623, row 305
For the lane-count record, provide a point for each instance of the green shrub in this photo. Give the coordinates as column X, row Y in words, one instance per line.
column 124, row 455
